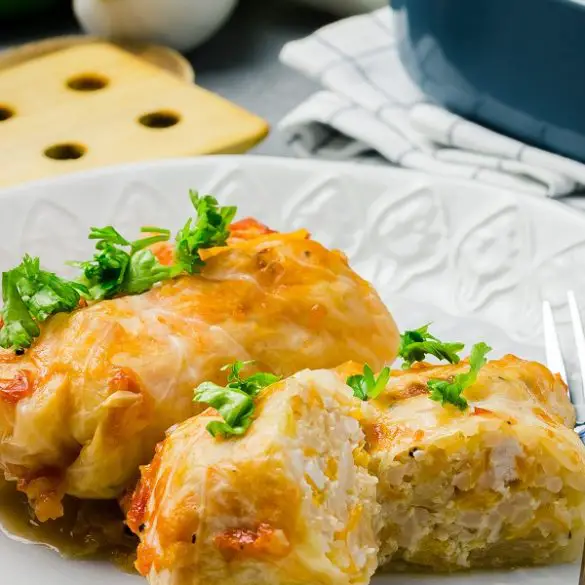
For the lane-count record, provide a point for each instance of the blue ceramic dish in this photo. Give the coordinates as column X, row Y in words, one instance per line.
column 517, row 66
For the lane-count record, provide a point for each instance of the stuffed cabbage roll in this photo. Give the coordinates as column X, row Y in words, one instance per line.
column 290, row 502
column 501, row 483
column 85, row 406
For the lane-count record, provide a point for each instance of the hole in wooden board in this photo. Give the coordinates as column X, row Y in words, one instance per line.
column 6, row 113
column 87, row 82
column 161, row 119
column 65, row 151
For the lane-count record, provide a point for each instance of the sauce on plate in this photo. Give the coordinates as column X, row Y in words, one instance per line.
column 90, row 529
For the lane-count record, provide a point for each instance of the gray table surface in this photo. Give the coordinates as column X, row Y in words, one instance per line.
column 239, row 63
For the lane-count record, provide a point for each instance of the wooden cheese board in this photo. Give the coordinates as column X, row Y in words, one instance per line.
column 92, row 104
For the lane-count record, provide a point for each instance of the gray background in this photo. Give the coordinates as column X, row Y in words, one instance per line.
column 240, row 62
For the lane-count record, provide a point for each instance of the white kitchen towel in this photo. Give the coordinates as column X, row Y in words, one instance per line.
column 370, row 109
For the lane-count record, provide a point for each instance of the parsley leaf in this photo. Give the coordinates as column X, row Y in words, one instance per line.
column 252, row 384
column 144, row 271
column 115, row 270
column 450, row 392
column 107, row 235
column 208, row 230
column 366, row 386
column 417, row 344
column 158, row 235
column 103, row 276
column 19, row 328
column 234, row 402
column 30, row 295
column 235, row 406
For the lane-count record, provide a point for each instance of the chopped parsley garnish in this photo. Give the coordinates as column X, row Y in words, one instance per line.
column 416, row 345
column 234, row 402
column 252, row 384
column 119, row 267
column 235, row 407
column 208, row 230
column 30, row 296
column 123, row 267
column 450, row 392
column 366, row 386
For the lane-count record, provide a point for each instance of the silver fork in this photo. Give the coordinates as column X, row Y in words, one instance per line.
column 555, row 363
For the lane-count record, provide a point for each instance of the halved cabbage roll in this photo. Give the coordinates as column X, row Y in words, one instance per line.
column 85, row 406
column 499, row 484
column 290, row 502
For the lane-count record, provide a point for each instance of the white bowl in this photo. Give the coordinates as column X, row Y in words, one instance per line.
column 180, row 24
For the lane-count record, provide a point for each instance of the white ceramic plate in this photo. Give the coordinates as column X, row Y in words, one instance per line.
column 474, row 260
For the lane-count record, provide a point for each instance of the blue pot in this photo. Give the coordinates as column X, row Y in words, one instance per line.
column 517, row 66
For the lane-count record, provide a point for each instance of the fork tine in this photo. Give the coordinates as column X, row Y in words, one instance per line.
column 582, row 574
column 578, row 397
column 554, row 357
